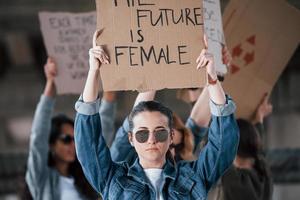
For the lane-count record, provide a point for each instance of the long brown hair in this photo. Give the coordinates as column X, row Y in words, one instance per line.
column 187, row 144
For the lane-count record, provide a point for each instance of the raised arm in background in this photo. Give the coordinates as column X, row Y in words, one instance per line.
column 145, row 96
column 37, row 164
column 50, row 71
column 263, row 110
column 107, row 111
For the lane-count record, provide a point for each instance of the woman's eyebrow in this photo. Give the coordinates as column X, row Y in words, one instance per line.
column 146, row 128
column 160, row 127
column 143, row 127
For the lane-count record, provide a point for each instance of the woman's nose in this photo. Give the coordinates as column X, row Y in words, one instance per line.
column 151, row 139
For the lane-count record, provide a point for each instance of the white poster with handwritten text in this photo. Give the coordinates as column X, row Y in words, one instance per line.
column 213, row 29
column 68, row 37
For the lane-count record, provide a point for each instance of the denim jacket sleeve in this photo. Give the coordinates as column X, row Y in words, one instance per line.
column 198, row 132
column 92, row 151
column 38, row 148
column 107, row 112
column 223, row 137
column 121, row 149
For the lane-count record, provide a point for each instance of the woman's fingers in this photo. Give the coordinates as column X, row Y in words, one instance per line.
column 97, row 32
column 53, row 70
column 100, row 49
column 50, row 67
column 104, row 59
column 201, row 54
column 198, row 66
column 205, row 42
column 204, row 59
column 97, row 51
column 202, row 62
column 99, row 55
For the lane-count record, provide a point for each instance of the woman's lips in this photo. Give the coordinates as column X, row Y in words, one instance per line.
column 152, row 149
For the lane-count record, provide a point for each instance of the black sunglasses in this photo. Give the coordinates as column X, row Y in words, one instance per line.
column 161, row 135
column 66, row 139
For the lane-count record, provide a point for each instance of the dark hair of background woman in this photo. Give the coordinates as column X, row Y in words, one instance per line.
column 250, row 146
column 75, row 169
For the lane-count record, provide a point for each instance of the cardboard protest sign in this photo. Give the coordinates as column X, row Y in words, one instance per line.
column 213, row 29
column 261, row 44
column 68, row 38
column 152, row 44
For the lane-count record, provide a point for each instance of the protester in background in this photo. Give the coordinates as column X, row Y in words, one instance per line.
column 249, row 177
column 153, row 175
column 53, row 171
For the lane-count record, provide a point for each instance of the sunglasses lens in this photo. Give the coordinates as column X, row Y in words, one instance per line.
column 66, row 139
column 161, row 135
column 142, row 136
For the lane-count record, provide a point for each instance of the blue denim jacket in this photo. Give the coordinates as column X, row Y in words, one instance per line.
column 123, row 180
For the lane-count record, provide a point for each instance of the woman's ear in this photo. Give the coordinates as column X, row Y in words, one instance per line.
column 130, row 139
column 172, row 135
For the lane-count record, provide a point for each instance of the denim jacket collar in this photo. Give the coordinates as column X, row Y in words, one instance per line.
column 136, row 171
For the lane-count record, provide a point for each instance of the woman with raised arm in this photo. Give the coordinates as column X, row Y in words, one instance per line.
column 152, row 175
column 249, row 177
column 53, row 171
column 186, row 136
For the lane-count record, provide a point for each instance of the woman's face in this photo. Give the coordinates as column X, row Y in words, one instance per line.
column 155, row 146
column 64, row 148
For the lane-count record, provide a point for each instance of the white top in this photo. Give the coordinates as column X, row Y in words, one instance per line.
column 155, row 177
column 68, row 189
